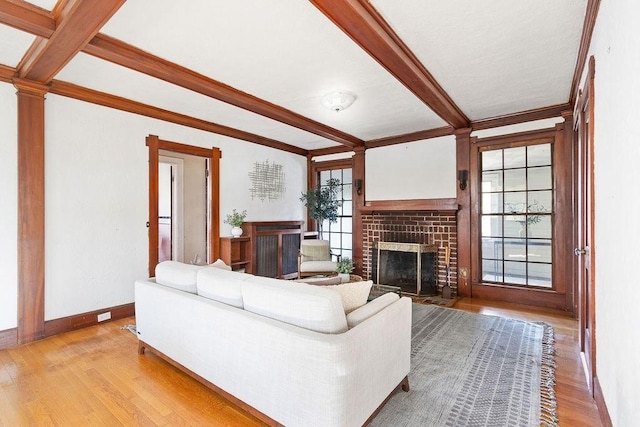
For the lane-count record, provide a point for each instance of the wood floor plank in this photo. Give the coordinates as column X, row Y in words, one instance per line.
column 94, row 376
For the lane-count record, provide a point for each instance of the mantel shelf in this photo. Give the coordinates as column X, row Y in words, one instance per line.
column 410, row 205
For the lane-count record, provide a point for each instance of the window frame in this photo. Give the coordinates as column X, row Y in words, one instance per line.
column 524, row 213
column 314, row 175
column 560, row 293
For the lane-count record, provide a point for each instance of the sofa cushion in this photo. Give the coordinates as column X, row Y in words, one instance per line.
column 353, row 294
column 361, row 314
column 221, row 285
column 310, row 307
column 317, row 266
column 178, row 275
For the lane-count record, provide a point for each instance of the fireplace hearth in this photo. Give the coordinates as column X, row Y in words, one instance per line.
column 410, row 266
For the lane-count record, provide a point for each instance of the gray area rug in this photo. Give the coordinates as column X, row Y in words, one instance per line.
column 475, row 370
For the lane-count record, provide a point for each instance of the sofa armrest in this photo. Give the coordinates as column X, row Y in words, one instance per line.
column 361, row 314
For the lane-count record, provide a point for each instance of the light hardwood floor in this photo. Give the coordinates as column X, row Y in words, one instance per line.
column 94, row 376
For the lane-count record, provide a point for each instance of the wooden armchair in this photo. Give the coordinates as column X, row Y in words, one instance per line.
column 314, row 258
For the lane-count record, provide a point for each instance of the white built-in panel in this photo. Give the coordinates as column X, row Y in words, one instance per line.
column 416, row 170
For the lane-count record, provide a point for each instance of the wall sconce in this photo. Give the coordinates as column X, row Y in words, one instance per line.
column 463, row 175
column 358, row 184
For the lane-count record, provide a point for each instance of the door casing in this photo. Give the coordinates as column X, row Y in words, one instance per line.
column 214, row 154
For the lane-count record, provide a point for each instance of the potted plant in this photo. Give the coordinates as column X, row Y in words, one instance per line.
column 527, row 219
column 344, row 267
column 323, row 203
column 235, row 219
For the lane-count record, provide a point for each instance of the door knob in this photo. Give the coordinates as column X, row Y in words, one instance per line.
column 578, row 251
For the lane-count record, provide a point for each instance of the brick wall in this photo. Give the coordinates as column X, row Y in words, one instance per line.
column 433, row 227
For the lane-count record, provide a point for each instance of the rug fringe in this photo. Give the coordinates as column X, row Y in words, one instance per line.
column 548, row 405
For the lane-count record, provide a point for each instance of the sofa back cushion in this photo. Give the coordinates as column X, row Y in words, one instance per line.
column 310, row 307
column 221, row 285
column 178, row 275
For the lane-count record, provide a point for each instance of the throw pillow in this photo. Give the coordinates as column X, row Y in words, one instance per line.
column 353, row 294
column 220, row 264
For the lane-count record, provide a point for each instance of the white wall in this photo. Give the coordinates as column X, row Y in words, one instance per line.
column 617, row 206
column 96, row 196
column 415, row 170
column 8, row 207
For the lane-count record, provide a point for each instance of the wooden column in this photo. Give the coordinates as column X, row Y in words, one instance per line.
column 463, row 137
column 311, row 183
column 358, row 204
column 564, row 237
column 214, row 208
column 31, row 231
column 153, row 143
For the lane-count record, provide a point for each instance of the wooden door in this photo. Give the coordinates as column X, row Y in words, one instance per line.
column 585, row 226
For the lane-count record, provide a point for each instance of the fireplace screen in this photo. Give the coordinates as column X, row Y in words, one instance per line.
column 410, row 266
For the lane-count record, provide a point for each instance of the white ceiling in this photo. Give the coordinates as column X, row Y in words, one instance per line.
column 493, row 58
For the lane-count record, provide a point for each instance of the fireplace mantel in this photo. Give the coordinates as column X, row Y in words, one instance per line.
column 410, row 205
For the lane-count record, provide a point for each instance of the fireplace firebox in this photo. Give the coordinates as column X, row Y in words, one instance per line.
column 410, row 266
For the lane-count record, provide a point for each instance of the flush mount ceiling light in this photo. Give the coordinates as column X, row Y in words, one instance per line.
column 339, row 100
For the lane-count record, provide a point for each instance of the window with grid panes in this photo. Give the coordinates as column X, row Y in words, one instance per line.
column 516, row 197
column 339, row 234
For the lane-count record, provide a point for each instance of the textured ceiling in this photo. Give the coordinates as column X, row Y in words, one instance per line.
column 492, row 58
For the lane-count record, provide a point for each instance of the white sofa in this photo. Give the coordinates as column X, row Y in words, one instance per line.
column 285, row 351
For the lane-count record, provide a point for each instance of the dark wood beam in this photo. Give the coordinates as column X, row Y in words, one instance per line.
column 329, row 150
column 78, row 21
column 521, row 117
column 123, row 54
column 27, row 17
column 410, row 137
column 120, row 53
column 509, row 119
column 95, row 97
column 362, row 23
column 7, row 74
column 587, row 31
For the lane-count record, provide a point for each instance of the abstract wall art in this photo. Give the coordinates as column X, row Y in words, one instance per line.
column 267, row 181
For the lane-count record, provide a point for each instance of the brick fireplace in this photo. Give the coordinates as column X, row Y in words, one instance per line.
column 423, row 227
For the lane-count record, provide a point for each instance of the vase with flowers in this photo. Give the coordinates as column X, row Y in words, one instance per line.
column 235, row 220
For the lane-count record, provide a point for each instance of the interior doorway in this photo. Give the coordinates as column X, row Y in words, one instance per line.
column 584, row 250
column 194, row 206
column 170, row 208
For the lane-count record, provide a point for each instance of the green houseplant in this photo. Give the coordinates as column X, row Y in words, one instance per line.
column 235, row 220
column 322, row 202
column 344, row 266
